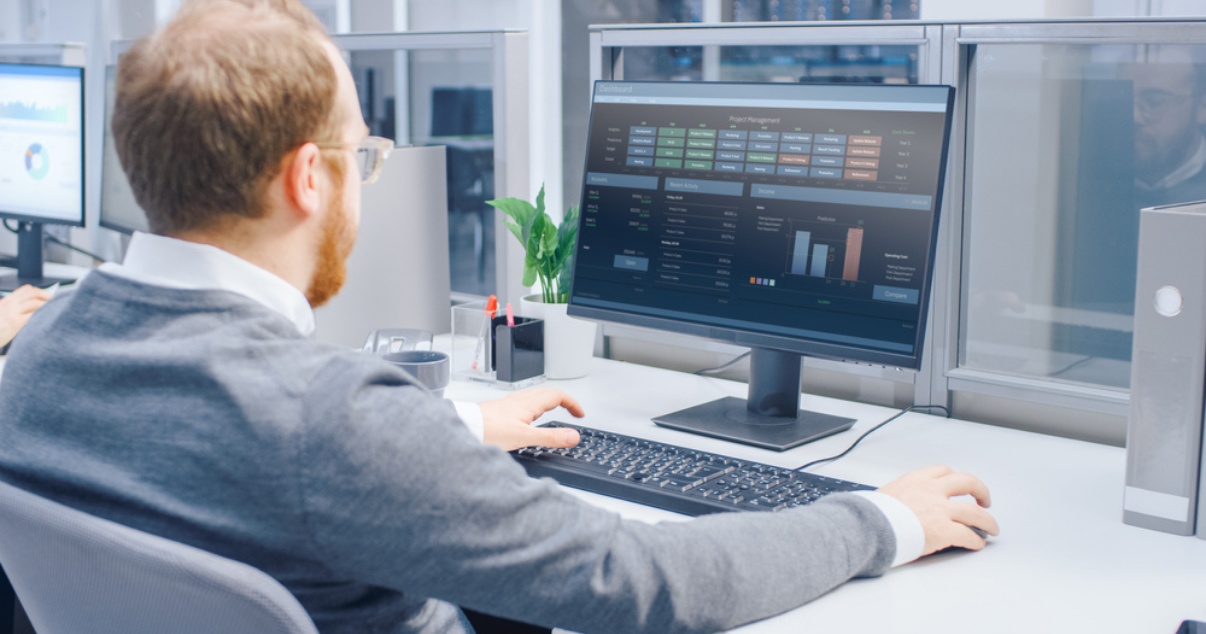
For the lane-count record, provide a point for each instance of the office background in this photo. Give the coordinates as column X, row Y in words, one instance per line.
column 1034, row 331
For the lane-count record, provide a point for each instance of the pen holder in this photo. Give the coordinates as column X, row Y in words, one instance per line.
column 477, row 352
column 519, row 352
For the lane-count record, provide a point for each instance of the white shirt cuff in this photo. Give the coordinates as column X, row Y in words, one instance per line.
column 910, row 536
column 471, row 415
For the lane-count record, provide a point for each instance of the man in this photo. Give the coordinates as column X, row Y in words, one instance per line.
column 178, row 393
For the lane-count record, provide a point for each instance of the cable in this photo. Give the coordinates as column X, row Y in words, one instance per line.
column 1070, row 366
column 74, row 248
column 725, row 366
column 10, row 228
column 868, row 433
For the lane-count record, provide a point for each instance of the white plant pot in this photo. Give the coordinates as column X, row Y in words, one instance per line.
column 569, row 344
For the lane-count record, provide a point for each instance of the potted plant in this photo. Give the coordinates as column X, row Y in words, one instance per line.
column 568, row 343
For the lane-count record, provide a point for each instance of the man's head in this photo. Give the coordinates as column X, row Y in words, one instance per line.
column 218, row 121
column 1170, row 107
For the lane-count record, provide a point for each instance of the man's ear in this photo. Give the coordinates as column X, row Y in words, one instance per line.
column 301, row 181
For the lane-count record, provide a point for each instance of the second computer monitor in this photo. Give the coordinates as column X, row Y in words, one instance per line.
column 118, row 210
column 794, row 219
column 41, row 159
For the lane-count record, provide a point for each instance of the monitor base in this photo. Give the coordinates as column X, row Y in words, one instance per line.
column 730, row 419
column 10, row 283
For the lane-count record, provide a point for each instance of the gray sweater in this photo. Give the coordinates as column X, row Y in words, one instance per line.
column 205, row 417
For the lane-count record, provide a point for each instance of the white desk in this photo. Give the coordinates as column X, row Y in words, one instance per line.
column 1064, row 562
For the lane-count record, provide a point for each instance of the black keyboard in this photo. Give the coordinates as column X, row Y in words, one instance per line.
column 674, row 478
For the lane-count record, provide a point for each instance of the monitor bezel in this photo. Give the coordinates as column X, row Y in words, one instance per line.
column 42, row 220
column 753, row 339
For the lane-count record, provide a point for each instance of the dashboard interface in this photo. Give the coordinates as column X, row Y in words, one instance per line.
column 800, row 211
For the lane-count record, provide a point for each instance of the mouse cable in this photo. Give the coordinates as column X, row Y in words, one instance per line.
column 725, row 366
column 75, row 248
column 10, row 228
column 902, row 412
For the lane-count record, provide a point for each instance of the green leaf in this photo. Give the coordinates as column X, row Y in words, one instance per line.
column 564, row 279
column 520, row 213
column 548, row 247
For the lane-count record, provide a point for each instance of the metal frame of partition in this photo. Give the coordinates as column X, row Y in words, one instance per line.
column 509, row 82
column 947, row 57
column 68, row 54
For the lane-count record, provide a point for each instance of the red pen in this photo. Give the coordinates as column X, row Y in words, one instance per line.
column 510, row 316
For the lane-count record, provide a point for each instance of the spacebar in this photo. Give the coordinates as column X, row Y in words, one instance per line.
column 559, row 461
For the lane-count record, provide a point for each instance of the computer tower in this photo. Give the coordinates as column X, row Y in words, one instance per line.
column 1168, row 372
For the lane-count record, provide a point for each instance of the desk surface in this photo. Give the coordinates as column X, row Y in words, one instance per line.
column 1064, row 562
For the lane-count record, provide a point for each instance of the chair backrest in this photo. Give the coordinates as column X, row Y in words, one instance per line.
column 75, row 572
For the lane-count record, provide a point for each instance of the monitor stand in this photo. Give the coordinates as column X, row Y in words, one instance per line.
column 29, row 261
column 771, row 418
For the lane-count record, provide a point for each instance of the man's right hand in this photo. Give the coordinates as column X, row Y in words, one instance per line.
column 928, row 492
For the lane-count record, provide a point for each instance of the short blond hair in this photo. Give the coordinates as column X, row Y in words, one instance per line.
column 209, row 105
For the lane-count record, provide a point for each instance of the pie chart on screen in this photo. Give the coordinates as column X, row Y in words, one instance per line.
column 36, row 161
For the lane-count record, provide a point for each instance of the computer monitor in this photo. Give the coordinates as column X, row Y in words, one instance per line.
column 795, row 219
column 462, row 111
column 118, row 209
column 42, row 172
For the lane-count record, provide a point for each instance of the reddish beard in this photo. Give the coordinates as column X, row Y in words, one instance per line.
column 336, row 244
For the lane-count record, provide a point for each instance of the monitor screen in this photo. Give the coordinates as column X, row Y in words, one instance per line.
column 796, row 218
column 42, row 143
column 118, row 209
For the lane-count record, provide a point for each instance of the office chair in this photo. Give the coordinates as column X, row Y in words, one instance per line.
column 75, row 572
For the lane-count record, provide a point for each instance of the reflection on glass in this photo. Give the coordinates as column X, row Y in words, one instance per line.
column 1067, row 143
column 447, row 100
column 847, row 64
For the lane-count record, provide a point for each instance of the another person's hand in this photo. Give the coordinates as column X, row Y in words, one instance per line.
column 928, row 493
column 16, row 309
column 508, row 420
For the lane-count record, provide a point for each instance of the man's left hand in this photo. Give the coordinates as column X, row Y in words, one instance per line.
column 508, row 420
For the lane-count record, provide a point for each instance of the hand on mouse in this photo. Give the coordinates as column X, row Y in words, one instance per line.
column 928, row 492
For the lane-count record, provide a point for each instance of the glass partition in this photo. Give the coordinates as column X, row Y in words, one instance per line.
column 1093, row 133
column 466, row 91
column 443, row 97
column 1066, row 142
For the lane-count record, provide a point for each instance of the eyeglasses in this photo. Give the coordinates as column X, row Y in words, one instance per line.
column 370, row 156
column 1154, row 102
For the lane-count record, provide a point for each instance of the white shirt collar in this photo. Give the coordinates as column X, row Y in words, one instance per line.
column 163, row 261
column 1186, row 171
